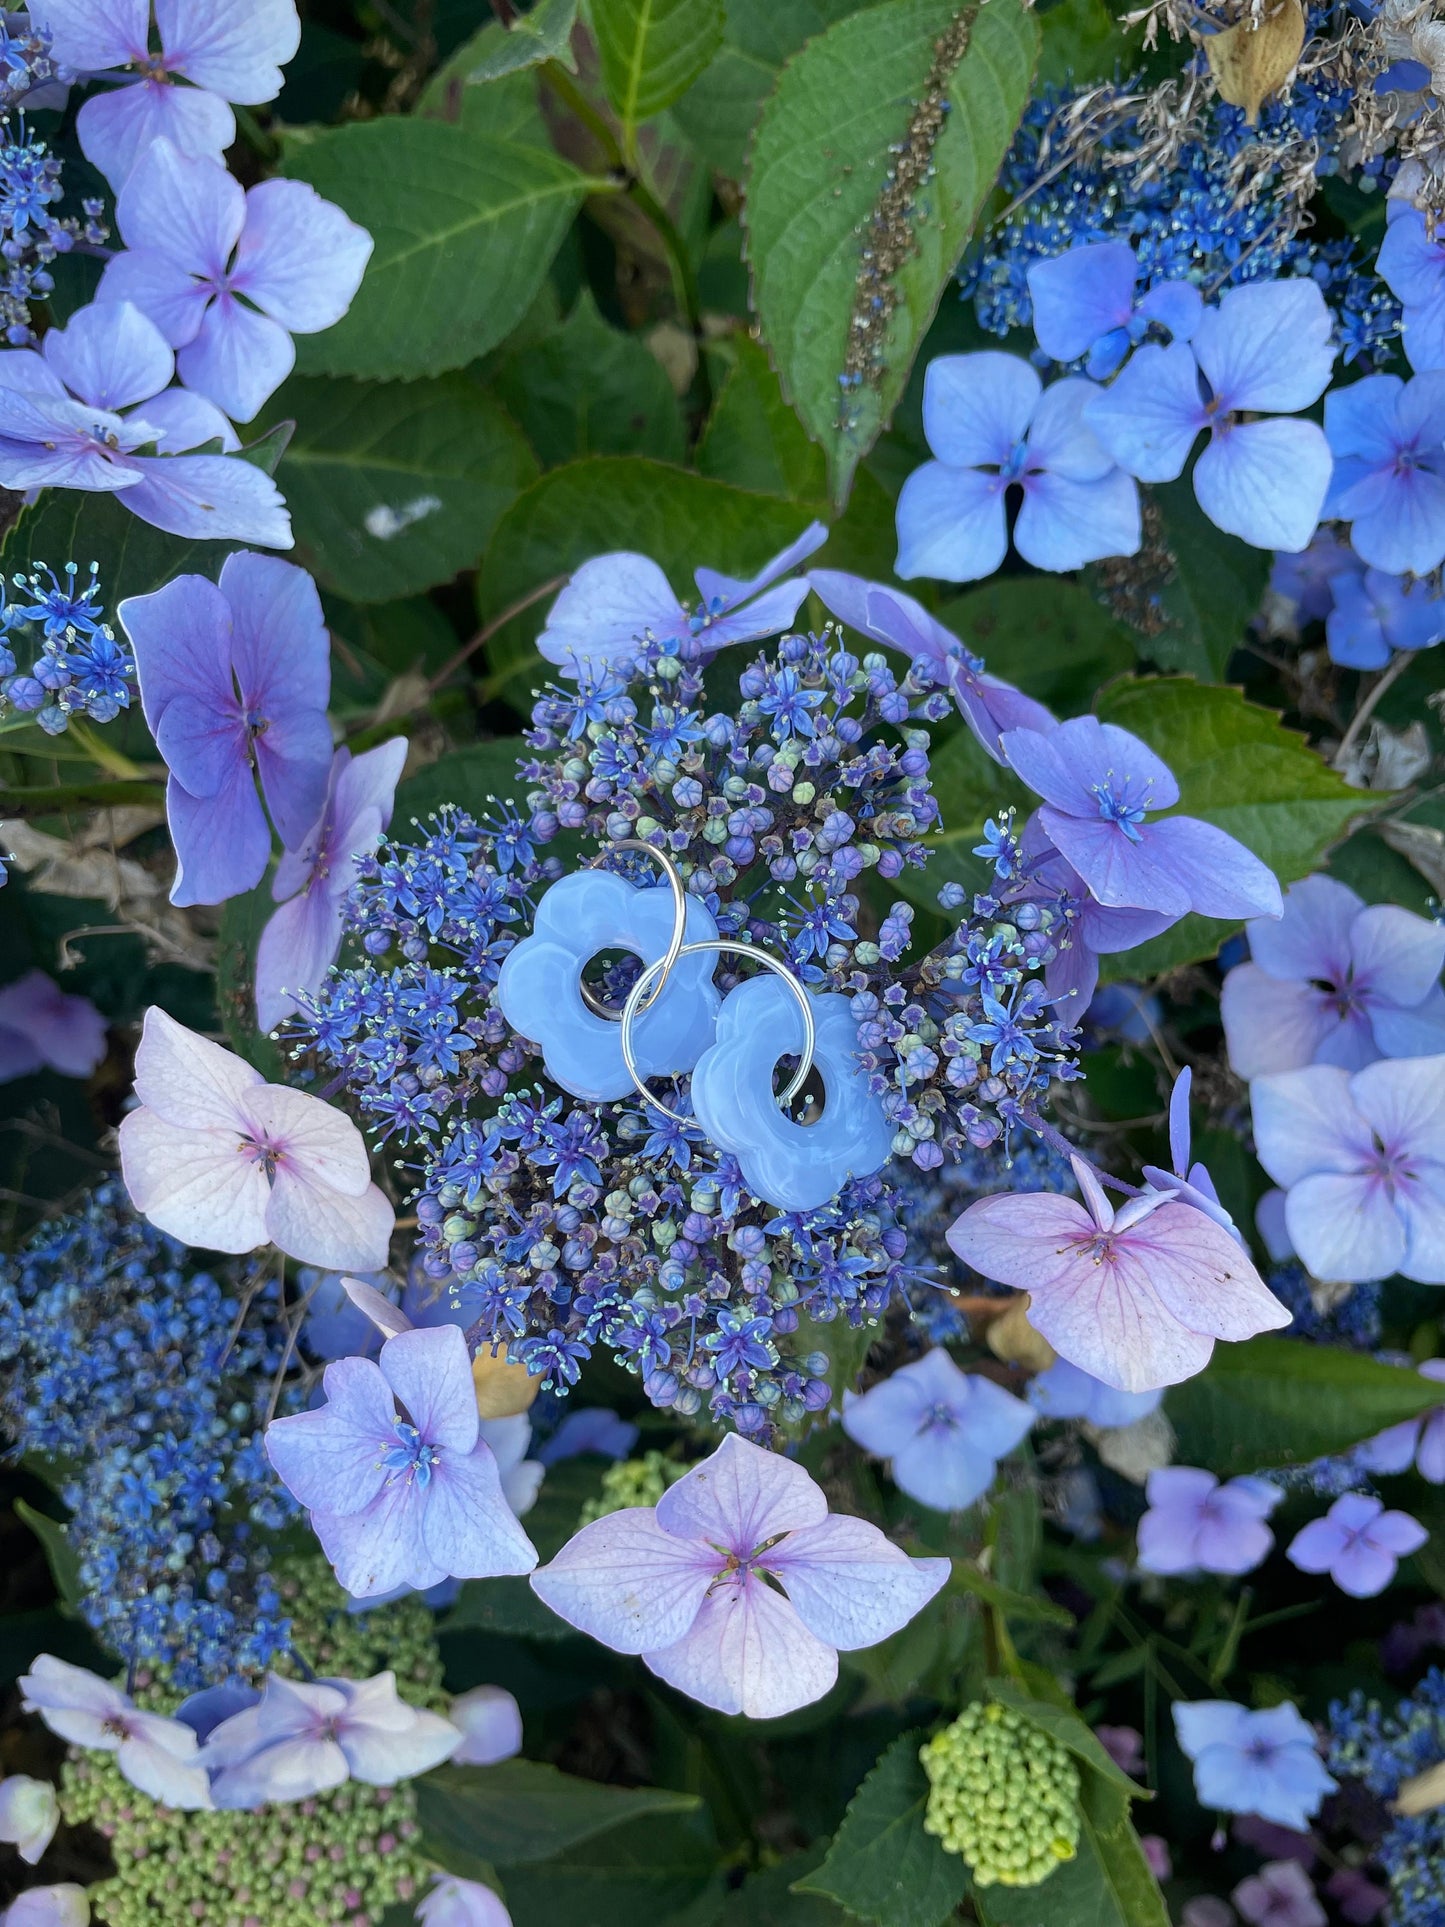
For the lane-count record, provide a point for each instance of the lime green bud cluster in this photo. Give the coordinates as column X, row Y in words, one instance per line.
column 1004, row 1794
column 632, row 1482
column 337, row 1644
column 345, row 1856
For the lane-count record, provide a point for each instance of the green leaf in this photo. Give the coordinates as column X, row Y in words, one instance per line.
column 766, row 1899
column 1064, row 1725
column 134, row 558
column 1237, row 767
column 60, row 1555
column 852, row 113
column 881, row 1865
column 521, row 1811
column 661, row 1870
column 1082, row 42
column 653, row 50
column 1051, row 638
column 969, row 1578
column 588, row 389
column 620, row 502
column 754, row 439
column 504, row 109
column 243, row 919
column 544, row 32
column 395, row 487
column 1106, row 1884
column 508, row 1607
column 465, row 228
column 1275, row 1401
column 719, row 111
column 471, row 778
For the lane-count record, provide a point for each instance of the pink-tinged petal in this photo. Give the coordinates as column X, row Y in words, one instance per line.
column 300, row 259
column 1267, row 346
column 330, row 1458
column 222, row 842
column 60, row 1692
column 381, row 1758
column 193, row 1184
column 748, row 1652
column 491, row 1725
column 1272, row 1024
column 1149, row 416
column 1022, row 1241
column 110, row 356
column 297, row 948
column 1265, row 481
column 188, row 1080
column 211, row 498
column 431, row 1373
column 234, row 47
column 849, row 1584
column 189, row 211
column 1119, row 872
column 389, row 1319
column 297, row 1769
column 365, row 787
column 739, row 1496
column 238, row 358
column 628, row 1583
column 335, row 1230
column 1345, row 1227
column 1109, row 1320
column 380, row 1548
column 951, row 523
column 1306, row 1121
column 1312, row 938
column 313, row 1140
column 117, row 128
column 93, row 34
column 467, row 1525
column 1223, row 878
column 609, row 606
column 976, row 407
column 169, row 295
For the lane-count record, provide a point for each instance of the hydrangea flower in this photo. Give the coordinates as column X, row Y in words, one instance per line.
column 1358, row 1543
column 991, row 424
column 490, row 1722
column 1411, row 263
column 1388, row 439
column 1265, row 350
column 1334, row 981
column 29, row 1815
column 43, row 1027
column 228, row 274
column 234, row 682
column 1063, row 1391
column 1263, row 1762
column 1195, row 1524
column 299, row 1738
column 301, row 939
column 1135, row 1297
column 1306, row 580
column 451, row 1901
column 401, row 1500
column 1084, row 306
column 686, row 1584
column 1187, row 1181
column 61, row 427
column 614, row 602
column 1362, row 1158
column 155, row 1754
column 944, row 1430
column 988, row 704
column 1376, row 614
column 1281, row 1894
column 64, row 1906
column 1417, row 1441
column 229, row 50
column 1099, row 785
column 219, row 1158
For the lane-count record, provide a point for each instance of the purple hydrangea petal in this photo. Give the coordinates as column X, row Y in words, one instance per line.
column 1175, row 305
column 222, row 842
column 951, row 523
column 236, row 48
column 738, row 1497
column 730, row 590
column 1397, row 523
column 1267, row 346
column 1081, row 295
column 119, row 127
column 627, row 1582
column 1119, row 872
column 1222, row 877
column 610, row 604
column 111, row 356
column 380, row 1548
column 1417, row 1032
column 1306, row 1121
column 188, row 211
column 1064, row 524
column 1345, row 1227
column 1265, row 481
column 747, row 1651
column 1313, row 938
column 1150, row 415
column 300, row 259
column 772, row 612
column 93, row 34
column 210, row 498
column 1410, row 261
column 1273, row 1024
column 1396, row 955
column 184, row 421
column 237, row 359
column 1061, row 440
column 976, row 407
column 431, row 1374
column 849, row 1584
column 330, row 1459
column 170, row 297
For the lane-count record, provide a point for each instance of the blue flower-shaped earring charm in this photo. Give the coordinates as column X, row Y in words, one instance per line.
column 794, row 1166
column 540, row 986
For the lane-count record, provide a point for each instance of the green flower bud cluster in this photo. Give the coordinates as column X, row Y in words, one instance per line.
column 338, row 1644
column 345, row 1856
column 1002, row 1793
column 632, row 1482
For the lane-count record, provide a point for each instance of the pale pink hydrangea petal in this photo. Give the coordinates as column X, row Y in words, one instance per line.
column 849, row 1584
column 309, row 1221
column 747, row 1651
column 740, row 1496
column 627, row 1582
column 187, row 1079
column 193, row 1183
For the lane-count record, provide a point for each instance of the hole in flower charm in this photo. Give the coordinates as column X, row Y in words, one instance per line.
column 540, row 985
column 794, row 1166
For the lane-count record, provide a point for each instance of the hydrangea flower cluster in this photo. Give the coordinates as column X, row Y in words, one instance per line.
column 1078, row 172
column 1004, row 1794
column 32, row 234
column 565, row 1226
column 1385, row 1750
column 79, row 668
column 122, row 1360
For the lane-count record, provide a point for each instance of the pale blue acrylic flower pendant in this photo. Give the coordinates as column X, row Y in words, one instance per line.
column 794, row 1166
column 540, row 986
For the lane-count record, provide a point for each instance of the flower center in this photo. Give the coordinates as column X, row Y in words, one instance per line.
column 260, row 1150
column 411, row 1458
column 1116, row 806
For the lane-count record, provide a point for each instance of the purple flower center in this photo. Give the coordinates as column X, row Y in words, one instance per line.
column 260, row 1150
column 411, row 1457
column 1117, row 805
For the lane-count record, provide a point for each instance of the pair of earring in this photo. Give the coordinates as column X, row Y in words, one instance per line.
column 674, row 1022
